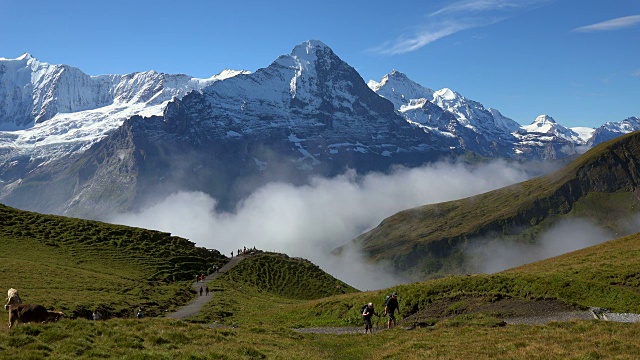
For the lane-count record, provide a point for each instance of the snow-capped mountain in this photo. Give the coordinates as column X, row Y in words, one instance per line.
column 32, row 91
column 49, row 112
column 486, row 131
column 408, row 97
column 307, row 113
column 308, row 97
column 87, row 146
column 612, row 130
column 545, row 125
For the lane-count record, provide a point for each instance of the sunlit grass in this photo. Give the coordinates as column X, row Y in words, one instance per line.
column 256, row 306
column 77, row 266
column 167, row 339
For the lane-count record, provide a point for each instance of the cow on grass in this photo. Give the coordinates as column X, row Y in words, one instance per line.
column 25, row 313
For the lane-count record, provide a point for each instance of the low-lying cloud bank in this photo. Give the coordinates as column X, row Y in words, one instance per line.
column 309, row 221
column 566, row 236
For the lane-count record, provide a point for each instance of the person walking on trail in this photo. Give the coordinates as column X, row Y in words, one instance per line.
column 200, row 290
column 367, row 313
column 390, row 308
column 206, row 290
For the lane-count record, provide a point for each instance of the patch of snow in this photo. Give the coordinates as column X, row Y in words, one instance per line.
column 584, row 133
column 294, row 139
column 446, row 94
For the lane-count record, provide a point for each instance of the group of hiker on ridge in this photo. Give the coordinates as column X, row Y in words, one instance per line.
column 390, row 306
column 245, row 251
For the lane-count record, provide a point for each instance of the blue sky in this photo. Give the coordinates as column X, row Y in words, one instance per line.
column 575, row 60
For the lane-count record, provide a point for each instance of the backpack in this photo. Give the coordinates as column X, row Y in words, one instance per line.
column 363, row 309
column 386, row 300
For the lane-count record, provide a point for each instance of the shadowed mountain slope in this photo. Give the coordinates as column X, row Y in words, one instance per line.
column 431, row 239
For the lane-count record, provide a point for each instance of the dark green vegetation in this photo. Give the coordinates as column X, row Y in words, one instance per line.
column 77, row 266
column 294, row 278
column 429, row 241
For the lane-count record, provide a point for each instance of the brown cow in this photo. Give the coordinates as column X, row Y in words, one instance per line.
column 25, row 313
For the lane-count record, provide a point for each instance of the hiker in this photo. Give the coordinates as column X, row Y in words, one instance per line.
column 232, row 254
column 367, row 313
column 197, row 278
column 139, row 313
column 390, row 307
column 97, row 315
column 206, row 290
column 200, row 290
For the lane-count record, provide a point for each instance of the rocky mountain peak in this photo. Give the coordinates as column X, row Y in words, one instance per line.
column 308, row 48
column 395, row 74
column 400, row 90
column 25, row 56
column 447, row 94
column 544, row 119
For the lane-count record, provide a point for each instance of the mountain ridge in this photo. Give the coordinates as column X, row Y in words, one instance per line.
column 417, row 240
column 307, row 113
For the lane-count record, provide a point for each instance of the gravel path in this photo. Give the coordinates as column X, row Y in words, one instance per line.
column 332, row 330
column 547, row 318
column 622, row 317
column 591, row 314
column 194, row 307
column 523, row 320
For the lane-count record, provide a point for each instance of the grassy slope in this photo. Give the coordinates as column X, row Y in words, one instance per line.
column 76, row 265
column 272, row 284
column 415, row 239
column 262, row 316
column 606, row 275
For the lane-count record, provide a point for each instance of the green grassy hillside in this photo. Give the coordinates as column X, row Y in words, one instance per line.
column 268, row 283
column 255, row 306
column 76, row 265
column 428, row 241
column 606, row 275
column 281, row 275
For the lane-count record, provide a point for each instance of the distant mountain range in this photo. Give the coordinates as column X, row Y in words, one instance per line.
column 88, row 146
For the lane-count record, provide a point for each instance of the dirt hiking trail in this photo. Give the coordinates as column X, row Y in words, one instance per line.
column 194, row 306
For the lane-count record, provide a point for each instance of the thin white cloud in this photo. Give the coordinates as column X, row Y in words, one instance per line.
column 456, row 17
column 636, row 73
column 613, row 24
column 418, row 40
column 483, row 5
